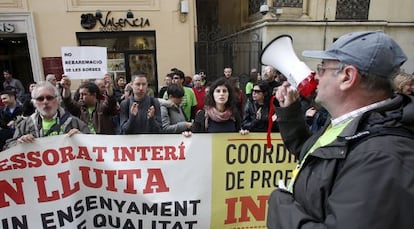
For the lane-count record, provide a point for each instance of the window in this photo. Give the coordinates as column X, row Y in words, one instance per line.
column 128, row 52
column 288, row 3
column 118, row 41
column 352, row 9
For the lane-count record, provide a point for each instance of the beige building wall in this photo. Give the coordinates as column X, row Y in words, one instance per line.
column 57, row 21
column 385, row 10
column 54, row 23
column 314, row 26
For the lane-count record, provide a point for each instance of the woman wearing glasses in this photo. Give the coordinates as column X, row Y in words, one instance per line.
column 256, row 111
column 49, row 118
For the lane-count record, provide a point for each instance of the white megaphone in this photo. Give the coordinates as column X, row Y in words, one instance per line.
column 279, row 54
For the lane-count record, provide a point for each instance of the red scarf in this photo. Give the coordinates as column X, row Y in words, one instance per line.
column 217, row 115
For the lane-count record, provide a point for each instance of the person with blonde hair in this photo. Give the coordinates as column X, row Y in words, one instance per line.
column 404, row 83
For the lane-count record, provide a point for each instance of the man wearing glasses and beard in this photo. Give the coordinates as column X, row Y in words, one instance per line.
column 49, row 118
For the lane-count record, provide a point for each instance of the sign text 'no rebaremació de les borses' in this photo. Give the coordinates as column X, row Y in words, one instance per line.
column 84, row 62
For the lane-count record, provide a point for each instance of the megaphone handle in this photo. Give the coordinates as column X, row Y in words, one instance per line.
column 308, row 86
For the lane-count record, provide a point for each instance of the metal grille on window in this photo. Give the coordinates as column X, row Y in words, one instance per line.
column 288, row 3
column 352, row 9
column 254, row 6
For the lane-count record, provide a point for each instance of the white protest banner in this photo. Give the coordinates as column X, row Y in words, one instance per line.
column 141, row 181
column 84, row 62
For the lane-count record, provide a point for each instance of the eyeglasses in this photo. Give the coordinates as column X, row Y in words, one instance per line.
column 257, row 91
column 47, row 97
column 320, row 69
column 176, row 78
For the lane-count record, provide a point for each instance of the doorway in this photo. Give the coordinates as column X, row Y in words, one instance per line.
column 14, row 56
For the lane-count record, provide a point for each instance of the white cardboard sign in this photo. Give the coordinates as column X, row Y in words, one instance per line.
column 84, row 62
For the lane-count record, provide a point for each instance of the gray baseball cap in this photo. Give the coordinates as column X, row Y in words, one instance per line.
column 370, row 51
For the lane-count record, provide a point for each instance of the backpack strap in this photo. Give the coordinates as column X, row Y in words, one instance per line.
column 66, row 123
column 63, row 122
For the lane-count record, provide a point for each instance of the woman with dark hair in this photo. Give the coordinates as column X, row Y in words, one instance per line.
column 219, row 114
column 256, row 112
column 172, row 115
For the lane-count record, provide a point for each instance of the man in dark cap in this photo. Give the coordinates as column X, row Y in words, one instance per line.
column 358, row 170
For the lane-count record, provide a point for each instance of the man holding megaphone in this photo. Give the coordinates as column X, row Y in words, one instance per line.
column 358, row 170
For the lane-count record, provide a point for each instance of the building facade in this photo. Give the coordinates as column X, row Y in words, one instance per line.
column 154, row 36
column 150, row 36
column 241, row 34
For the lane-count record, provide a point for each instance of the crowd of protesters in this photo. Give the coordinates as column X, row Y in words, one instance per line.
column 184, row 105
column 353, row 140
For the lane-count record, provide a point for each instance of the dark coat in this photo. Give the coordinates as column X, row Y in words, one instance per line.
column 6, row 116
column 140, row 124
column 341, row 185
column 251, row 123
column 101, row 117
column 6, row 132
column 232, row 125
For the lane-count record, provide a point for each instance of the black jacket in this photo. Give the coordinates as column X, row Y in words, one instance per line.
column 140, row 124
column 350, row 183
column 231, row 125
column 6, row 116
column 250, row 121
